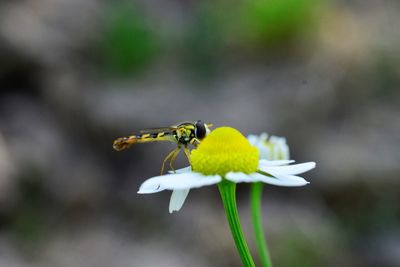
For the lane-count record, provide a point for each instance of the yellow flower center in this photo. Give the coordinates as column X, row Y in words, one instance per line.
column 224, row 150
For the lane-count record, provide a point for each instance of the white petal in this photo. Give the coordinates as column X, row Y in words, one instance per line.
column 253, row 139
column 285, row 152
column 288, row 169
column 257, row 140
column 280, row 151
column 177, row 181
column 265, row 163
column 265, row 151
column 183, row 170
column 280, row 180
column 150, row 187
column 177, row 199
column 239, row 177
column 277, row 140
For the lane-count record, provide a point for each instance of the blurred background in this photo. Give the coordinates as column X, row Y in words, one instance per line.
column 74, row 75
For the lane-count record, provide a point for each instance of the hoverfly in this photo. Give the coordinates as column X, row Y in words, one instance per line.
column 183, row 134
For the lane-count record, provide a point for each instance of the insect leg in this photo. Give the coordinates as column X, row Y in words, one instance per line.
column 187, row 153
column 173, row 157
column 195, row 142
column 170, row 155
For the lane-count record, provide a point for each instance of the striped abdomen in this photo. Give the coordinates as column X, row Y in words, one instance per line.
column 125, row 142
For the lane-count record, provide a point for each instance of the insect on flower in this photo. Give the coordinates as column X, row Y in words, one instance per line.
column 183, row 134
column 225, row 155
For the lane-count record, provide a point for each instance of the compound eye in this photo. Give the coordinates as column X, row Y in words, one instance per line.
column 200, row 130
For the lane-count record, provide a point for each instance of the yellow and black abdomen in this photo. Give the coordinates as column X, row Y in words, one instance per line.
column 125, row 142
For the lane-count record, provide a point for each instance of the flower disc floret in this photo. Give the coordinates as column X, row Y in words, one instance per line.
column 224, row 150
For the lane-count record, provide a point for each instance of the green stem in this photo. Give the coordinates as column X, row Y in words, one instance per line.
column 255, row 199
column 228, row 195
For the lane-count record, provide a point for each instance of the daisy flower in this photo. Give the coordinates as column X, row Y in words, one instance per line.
column 225, row 154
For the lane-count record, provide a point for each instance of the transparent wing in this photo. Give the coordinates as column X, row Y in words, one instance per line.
column 159, row 130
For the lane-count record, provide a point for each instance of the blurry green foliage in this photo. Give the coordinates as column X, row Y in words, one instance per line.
column 223, row 28
column 128, row 44
column 272, row 23
column 296, row 249
column 28, row 221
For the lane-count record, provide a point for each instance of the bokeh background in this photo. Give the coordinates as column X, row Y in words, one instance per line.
column 76, row 74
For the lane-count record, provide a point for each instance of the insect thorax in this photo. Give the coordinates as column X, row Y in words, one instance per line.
column 185, row 133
